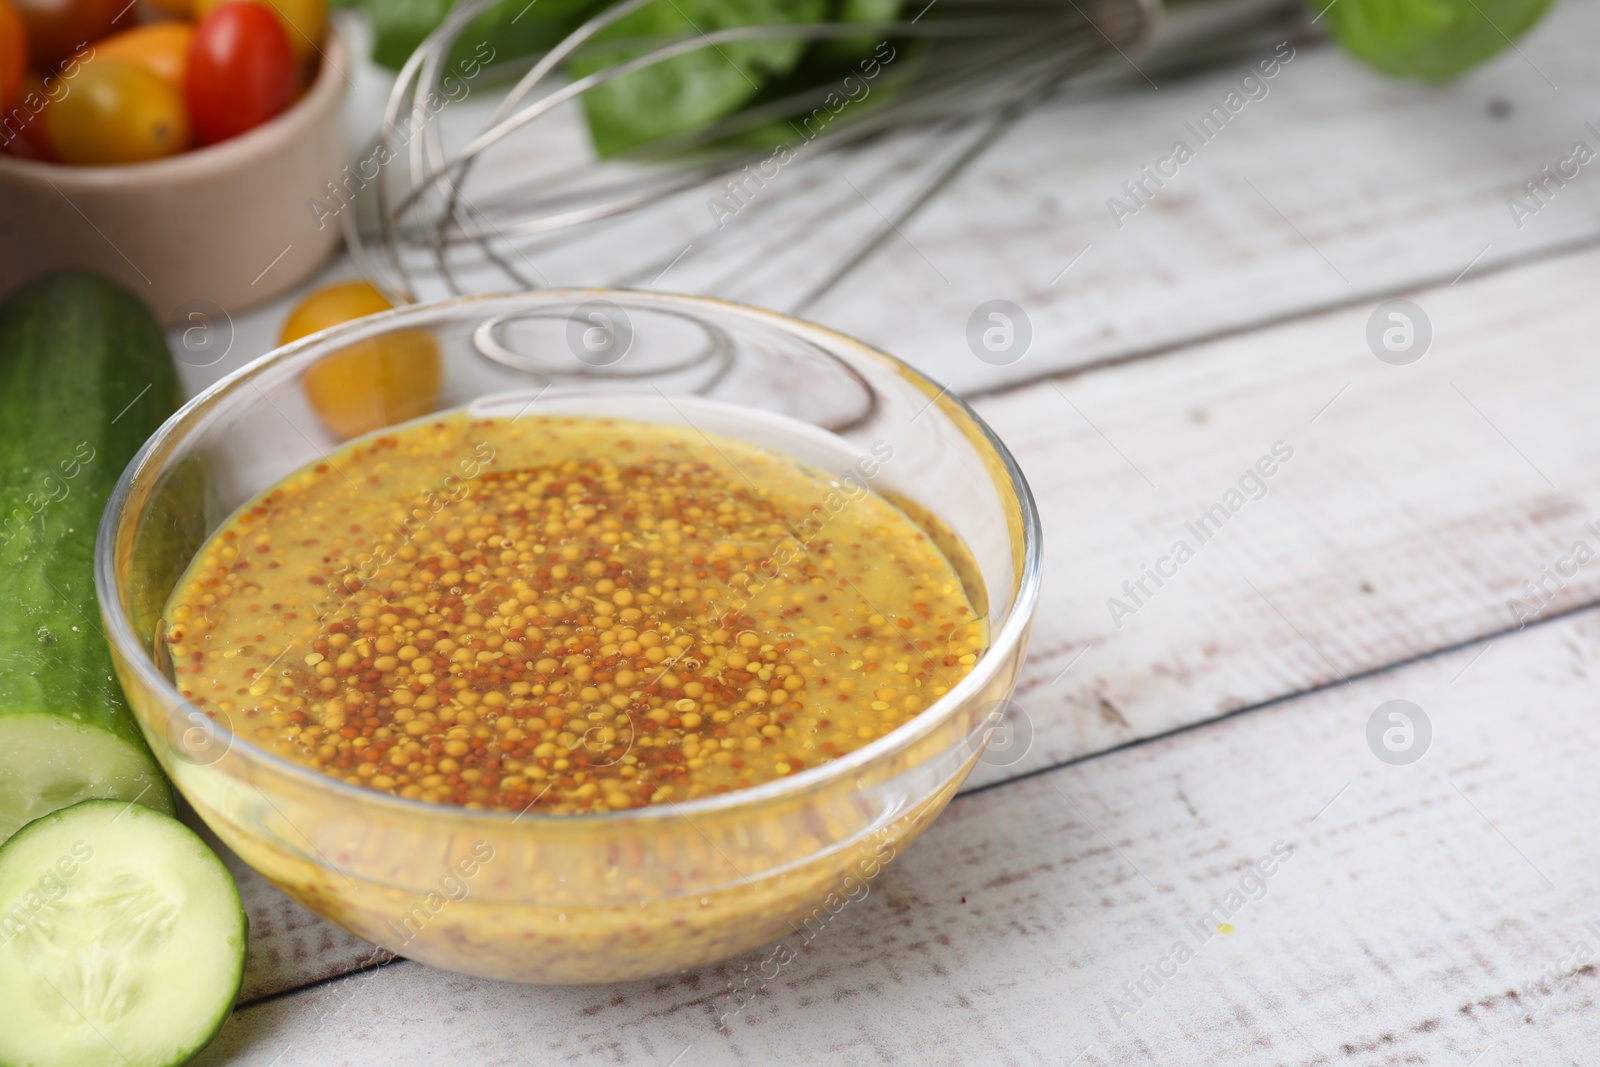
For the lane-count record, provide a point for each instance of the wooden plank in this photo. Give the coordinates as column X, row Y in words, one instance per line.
column 1337, row 185
column 1428, row 913
column 1417, row 502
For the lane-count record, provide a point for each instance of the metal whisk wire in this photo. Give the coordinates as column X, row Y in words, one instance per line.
column 982, row 64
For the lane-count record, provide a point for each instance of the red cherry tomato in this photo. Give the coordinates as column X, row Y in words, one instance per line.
column 13, row 55
column 241, row 71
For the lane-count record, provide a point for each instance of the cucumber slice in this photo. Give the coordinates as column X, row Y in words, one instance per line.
column 51, row 762
column 121, row 940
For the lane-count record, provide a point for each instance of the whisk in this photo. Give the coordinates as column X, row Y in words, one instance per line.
column 519, row 200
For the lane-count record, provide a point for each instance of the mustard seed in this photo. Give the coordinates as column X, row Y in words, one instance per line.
column 566, row 615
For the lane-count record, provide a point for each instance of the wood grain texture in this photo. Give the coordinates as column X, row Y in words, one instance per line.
column 1339, row 184
column 1429, row 913
column 1418, row 501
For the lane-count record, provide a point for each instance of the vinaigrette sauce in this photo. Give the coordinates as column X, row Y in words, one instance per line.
column 566, row 615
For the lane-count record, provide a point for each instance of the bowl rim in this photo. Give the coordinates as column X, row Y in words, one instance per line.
column 324, row 93
column 120, row 634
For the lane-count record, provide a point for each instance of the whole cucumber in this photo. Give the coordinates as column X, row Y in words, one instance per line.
column 85, row 378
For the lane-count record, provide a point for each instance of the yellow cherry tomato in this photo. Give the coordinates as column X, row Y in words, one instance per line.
column 305, row 21
column 370, row 384
column 162, row 48
column 116, row 113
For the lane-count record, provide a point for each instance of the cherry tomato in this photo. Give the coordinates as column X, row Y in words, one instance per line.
column 330, row 306
column 59, row 28
column 23, row 127
column 305, row 21
column 13, row 56
column 241, row 71
column 116, row 112
column 370, row 384
column 183, row 9
column 162, row 48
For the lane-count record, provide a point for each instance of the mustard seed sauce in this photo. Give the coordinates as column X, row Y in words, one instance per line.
column 566, row 615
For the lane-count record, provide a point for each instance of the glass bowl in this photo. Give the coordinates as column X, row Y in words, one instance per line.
column 625, row 894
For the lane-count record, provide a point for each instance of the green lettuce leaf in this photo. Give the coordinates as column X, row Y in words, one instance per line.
column 513, row 28
column 518, row 28
column 398, row 26
column 847, row 49
column 675, row 96
column 1428, row 39
column 691, row 90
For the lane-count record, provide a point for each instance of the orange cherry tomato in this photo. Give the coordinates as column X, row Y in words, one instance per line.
column 13, row 55
column 116, row 112
column 304, row 21
column 162, row 48
column 58, row 29
column 370, row 384
column 22, row 132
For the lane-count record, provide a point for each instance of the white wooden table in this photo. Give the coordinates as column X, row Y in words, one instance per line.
column 1443, row 911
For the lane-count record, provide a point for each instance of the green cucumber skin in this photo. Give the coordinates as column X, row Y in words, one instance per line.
column 75, row 353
